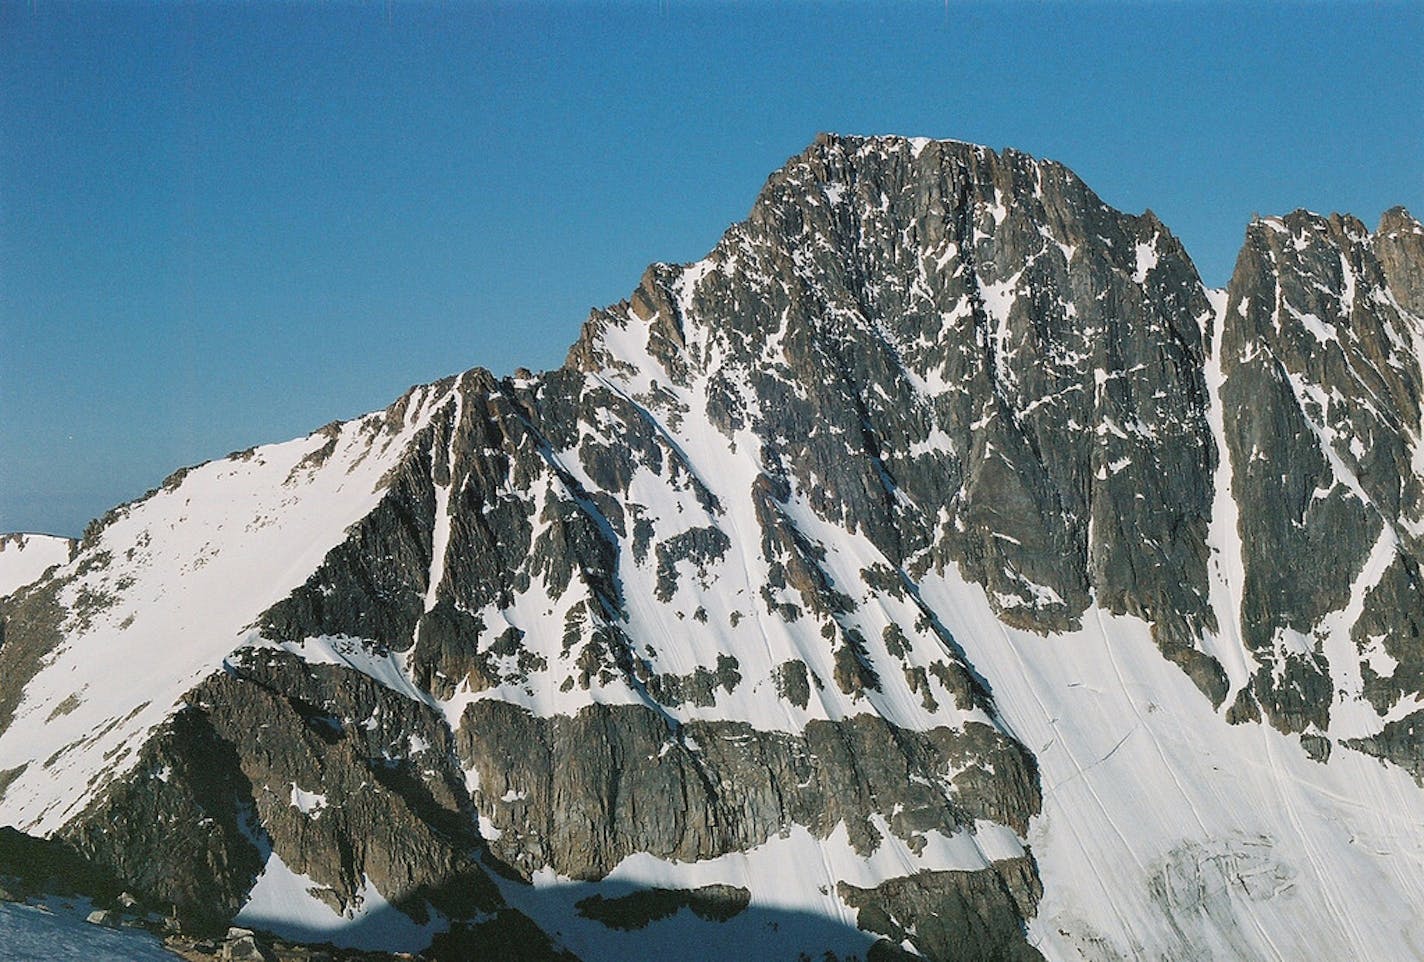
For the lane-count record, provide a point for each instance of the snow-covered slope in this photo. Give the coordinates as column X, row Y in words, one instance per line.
column 24, row 557
column 935, row 565
column 167, row 588
column 1167, row 834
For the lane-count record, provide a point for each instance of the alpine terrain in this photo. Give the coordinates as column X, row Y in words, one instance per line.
column 935, row 569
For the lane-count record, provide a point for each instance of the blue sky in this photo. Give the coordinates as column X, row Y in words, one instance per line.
column 227, row 225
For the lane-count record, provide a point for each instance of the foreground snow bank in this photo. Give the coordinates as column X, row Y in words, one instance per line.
column 31, row 934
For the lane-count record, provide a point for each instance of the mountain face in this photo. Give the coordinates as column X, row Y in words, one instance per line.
column 937, row 568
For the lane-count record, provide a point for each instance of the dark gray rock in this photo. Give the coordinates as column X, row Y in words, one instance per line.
column 1393, row 621
column 953, row 916
column 31, row 626
column 580, row 794
column 715, row 903
column 506, row 935
column 697, row 688
column 793, row 682
column 1316, row 746
column 251, row 746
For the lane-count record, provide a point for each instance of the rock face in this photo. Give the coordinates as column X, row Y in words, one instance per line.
column 861, row 588
column 573, row 791
column 951, row 915
column 356, row 783
column 1322, row 400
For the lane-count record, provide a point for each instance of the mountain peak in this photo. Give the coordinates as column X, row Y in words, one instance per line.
column 860, row 218
column 912, row 538
column 1398, row 220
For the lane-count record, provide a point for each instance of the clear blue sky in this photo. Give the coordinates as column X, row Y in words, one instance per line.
column 222, row 226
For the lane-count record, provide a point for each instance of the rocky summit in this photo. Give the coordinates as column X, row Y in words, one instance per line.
column 936, row 569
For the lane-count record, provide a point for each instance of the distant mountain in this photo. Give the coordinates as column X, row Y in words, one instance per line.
column 935, row 569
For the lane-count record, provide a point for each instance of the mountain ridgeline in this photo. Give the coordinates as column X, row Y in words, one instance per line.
column 935, row 569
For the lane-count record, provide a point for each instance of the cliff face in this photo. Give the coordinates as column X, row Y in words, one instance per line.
column 933, row 563
column 1322, row 398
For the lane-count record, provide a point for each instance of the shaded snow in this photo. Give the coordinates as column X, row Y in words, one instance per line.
column 792, row 879
column 32, row 934
column 285, row 903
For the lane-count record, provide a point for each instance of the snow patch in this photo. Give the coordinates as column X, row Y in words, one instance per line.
column 309, row 804
column 1146, row 256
